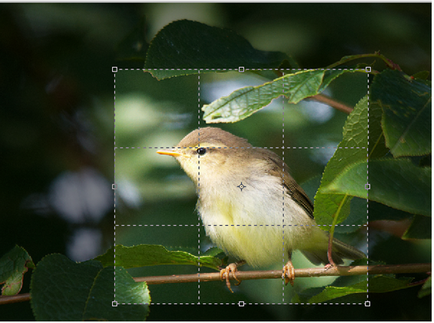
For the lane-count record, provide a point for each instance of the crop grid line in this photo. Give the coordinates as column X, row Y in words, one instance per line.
column 283, row 183
column 239, row 304
column 114, row 70
column 199, row 70
column 240, row 225
column 367, row 195
column 198, row 183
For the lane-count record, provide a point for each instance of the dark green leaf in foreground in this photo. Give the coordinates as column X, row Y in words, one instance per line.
column 13, row 266
column 351, row 285
column 394, row 182
column 420, row 228
column 133, row 47
column 182, row 47
column 426, row 288
column 327, row 205
column 244, row 102
column 376, row 284
column 63, row 290
column 152, row 255
column 100, row 305
column 407, row 112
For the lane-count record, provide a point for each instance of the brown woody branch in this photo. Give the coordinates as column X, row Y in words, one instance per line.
column 266, row 274
column 333, row 103
column 306, row 272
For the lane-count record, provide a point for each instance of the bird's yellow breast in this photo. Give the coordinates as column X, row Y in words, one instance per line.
column 255, row 224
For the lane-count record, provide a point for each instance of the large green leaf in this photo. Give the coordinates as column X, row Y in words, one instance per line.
column 63, row 290
column 152, row 255
column 351, row 149
column 182, row 47
column 102, row 304
column 244, row 102
column 13, row 266
column 406, row 119
column 395, row 182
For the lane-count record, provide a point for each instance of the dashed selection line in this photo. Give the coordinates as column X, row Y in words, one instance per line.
column 283, row 185
column 367, row 191
column 240, row 225
column 114, row 70
column 238, row 69
column 283, row 148
column 198, row 182
column 241, row 303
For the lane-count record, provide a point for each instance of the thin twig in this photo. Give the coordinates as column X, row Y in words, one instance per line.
column 333, row 103
column 15, row 298
column 266, row 274
column 387, row 61
column 306, row 272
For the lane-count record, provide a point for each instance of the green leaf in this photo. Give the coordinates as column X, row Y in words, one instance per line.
column 13, row 266
column 421, row 75
column 100, row 305
column 394, row 182
column 379, row 211
column 376, row 284
column 426, row 288
column 152, row 255
column 64, row 290
column 244, row 102
column 134, row 46
column 407, row 112
column 182, row 47
column 351, row 149
column 332, row 292
column 357, row 284
column 213, row 252
column 377, row 142
column 420, row 228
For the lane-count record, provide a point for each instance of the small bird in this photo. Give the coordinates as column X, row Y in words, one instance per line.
column 250, row 205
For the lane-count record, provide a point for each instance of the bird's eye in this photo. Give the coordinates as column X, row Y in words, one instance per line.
column 201, row 151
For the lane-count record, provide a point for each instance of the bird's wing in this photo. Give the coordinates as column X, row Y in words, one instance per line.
column 298, row 194
column 294, row 190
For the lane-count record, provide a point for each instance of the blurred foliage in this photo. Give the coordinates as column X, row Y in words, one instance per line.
column 57, row 118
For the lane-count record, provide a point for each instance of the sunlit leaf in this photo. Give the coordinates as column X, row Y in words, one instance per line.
column 244, row 102
column 351, row 149
column 152, row 255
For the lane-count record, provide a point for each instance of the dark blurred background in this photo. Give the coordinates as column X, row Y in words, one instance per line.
column 56, row 125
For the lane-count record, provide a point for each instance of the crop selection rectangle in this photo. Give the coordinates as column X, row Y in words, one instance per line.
column 153, row 194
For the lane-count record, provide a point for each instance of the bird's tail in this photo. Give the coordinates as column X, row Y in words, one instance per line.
column 340, row 251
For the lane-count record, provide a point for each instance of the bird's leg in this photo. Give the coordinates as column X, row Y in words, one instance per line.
column 329, row 256
column 289, row 270
column 224, row 273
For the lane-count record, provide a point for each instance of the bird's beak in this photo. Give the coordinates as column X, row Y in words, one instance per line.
column 170, row 152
